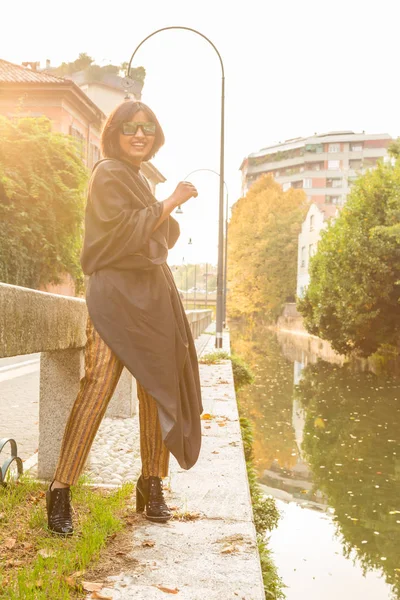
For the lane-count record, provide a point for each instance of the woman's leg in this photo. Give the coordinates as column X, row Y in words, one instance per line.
column 102, row 372
column 154, row 454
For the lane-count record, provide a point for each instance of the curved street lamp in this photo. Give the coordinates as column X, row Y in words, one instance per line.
column 179, row 211
column 128, row 82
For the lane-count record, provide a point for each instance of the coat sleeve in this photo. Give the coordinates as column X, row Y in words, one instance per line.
column 117, row 225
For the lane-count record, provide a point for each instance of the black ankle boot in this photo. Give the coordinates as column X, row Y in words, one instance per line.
column 149, row 495
column 59, row 518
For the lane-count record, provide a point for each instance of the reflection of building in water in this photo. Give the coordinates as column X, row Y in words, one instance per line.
column 293, row 484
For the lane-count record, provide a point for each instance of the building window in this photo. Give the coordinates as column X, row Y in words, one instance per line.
column 334, row 182
column 370, row 161
column 356, row 147
column 312, row 223
column 314, row 166
column 334, row 148
column 297, row 185
column 333, row 200
column 80, row 139
column 286, row 186
column 333, row 165
column 317, row 148
column 355, row 164
column 307, row 183
column 303, row 257
column 311, row 250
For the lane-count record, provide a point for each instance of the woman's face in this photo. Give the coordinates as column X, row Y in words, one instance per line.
column 137, row 146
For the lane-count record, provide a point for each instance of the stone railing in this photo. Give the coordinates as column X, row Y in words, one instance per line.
column 32, row 321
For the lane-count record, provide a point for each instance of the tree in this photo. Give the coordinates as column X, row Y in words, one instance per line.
column 96, row 72
column 354, row 292
column 42, row 180
column 262, row 254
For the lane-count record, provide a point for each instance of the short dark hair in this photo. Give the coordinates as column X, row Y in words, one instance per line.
column 112, row 128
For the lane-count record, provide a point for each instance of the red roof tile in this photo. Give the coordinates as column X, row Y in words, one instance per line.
column 11, row 73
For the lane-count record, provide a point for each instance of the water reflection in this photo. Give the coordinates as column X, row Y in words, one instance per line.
column 327, row 437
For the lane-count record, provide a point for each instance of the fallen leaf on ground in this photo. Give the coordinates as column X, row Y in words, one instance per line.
column 148, row 543
column 206, row 417
column 46, row 553
column 222, row 424
column 215, row 452
column 167, row 590
column 207, row 427
column 92, row 586
column 228, row 550
column 10, row 543
column 100, row 596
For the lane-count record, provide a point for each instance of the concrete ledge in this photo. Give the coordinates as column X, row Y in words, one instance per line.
column 32, row 321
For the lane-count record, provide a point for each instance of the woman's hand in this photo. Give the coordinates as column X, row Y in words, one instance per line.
column 184, row 191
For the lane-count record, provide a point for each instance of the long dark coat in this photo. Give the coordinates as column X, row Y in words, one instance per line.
column 133, row 301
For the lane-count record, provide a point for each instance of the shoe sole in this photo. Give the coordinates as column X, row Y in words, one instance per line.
column 158, row 519
column 59, row 534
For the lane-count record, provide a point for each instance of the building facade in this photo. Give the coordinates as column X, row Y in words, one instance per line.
column 316, row 221
column 26, row 92
column 324, row 166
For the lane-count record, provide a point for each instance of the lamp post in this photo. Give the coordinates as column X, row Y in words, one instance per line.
column 225, row 254
column 128, row 82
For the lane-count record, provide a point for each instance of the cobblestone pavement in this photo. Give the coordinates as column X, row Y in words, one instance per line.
column 115, row 457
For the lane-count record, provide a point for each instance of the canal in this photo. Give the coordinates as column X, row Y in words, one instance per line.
column 327, row 448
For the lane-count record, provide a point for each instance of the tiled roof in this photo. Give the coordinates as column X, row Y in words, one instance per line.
column 10, row 73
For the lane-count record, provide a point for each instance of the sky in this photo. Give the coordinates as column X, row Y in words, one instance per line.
column 293, row 68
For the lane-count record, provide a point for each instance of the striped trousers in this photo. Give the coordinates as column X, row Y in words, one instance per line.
column 102, row 372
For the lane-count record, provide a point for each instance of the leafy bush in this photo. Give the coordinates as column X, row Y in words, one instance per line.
column 42, row 183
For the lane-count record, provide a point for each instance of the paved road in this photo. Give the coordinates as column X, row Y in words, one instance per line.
column 19, row 402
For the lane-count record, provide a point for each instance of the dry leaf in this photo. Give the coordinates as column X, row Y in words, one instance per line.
column 92, row 586
column 10, row 543
column 77, row 574
column 100, row 596
column 222, row 424
column 215, row 452
column 39, row 583
column 148, row 544
column 228, row 550
column 71, row 581
column 207, row 426
column 120, row 554
column 167, row 590
column 46, row 553
column 206, row 417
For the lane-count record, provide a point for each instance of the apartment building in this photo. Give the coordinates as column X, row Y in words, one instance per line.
column 325, row 165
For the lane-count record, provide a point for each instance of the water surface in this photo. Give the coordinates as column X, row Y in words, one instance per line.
column 327, row 447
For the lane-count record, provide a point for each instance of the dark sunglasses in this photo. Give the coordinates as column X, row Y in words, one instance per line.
column 131, row 127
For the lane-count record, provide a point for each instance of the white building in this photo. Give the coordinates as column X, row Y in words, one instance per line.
column 316, row 220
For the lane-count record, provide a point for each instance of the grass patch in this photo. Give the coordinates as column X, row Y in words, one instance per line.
column 266, row 517
column 214, row 358
column 34, row 564
column 242, row 374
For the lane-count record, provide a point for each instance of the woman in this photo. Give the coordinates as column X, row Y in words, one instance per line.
column 136, row 319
